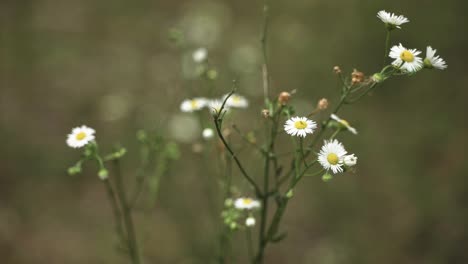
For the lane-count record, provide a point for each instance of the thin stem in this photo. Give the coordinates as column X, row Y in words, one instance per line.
column 248, row 237
column 218, row 122
column 266, row 92
column 387, row 45
column 115, row 209
column 127, row 217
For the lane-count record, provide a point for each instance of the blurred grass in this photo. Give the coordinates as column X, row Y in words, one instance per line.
column 110, row 65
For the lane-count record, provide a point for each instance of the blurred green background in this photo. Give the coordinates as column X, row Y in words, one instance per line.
column 110, row 65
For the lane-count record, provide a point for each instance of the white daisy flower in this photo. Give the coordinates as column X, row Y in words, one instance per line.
column 246, row 203
column 406, row 59
column 200, row 54
column 432, row 61
column 215, row 106
column 331, row 156
column 350, row 160
column 207, row 133
column 344, row 123
column 80, row 136
column 299, row 126
column 250, row 221
column 191, row 105
column 391, row 20
column 236, row 101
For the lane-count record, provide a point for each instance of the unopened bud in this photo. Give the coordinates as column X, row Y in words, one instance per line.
column 284, row 97
column 322, row 104
column 337, row 69
column 378, row 78
column 266, row 113
column 357, row 77
column 103, row 174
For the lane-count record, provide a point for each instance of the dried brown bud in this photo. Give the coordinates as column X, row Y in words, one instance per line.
column 322, row 104
column 357, row 77
column 284, row 97
column 265, row 113
column 337, row 69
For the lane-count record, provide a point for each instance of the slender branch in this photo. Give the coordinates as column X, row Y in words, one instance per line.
column 266, row 92
column 387, row 44
column 115, row 209
column 218, row 122
column 127, row 217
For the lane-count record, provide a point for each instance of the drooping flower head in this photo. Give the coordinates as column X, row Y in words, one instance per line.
column 80, row 136
column 406, row 59
column 344, row 123
column 331, row 156
column 191, row 105
column 246, row 203
column 391, row 20
column 300, row 126
column 432, row 61
column 236, row 101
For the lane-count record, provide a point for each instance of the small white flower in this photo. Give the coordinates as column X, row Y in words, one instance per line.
column 200, row 54
column 344, row 123
column 236, row 101
column 80, row 136
column 406, row 59
column 432, row 61
column 208, row 133
column 299, row 126
column 392, row 20
column 331, row 156
column 215, row 106
column 191, row 105
column 250, row 221
column 246, row 203
column 350, row 160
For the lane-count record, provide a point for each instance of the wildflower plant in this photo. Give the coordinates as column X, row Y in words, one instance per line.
column 316, row 151
column 156, row 155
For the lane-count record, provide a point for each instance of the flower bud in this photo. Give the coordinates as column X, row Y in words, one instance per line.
column 250, row 221
column 357, row 77
column 322, row 104
column 284, row 97
column 103, row 174
column 337, row 69
column 207, row 133
column 266, row 113
column 378, row 77
column 327, row 177
column 350, row 160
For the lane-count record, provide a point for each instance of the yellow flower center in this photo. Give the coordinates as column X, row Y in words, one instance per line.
column 300, row 124
column 236, row 99
column 194, row 103
column 247, row 201
column 407, row 56
column 344, row 122
column 80, row 136
column 332, row 158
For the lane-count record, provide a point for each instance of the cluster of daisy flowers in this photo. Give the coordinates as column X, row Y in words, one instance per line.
column 239, row 212
column 333, row 156
column 214, row 105
column 405, row 59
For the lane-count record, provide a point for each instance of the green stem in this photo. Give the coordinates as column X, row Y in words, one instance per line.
column 266, row 92
column 127, row 217
column 387, row 45
column 115, row 209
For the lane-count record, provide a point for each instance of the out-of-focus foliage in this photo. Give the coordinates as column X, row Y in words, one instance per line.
column 121, row 66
